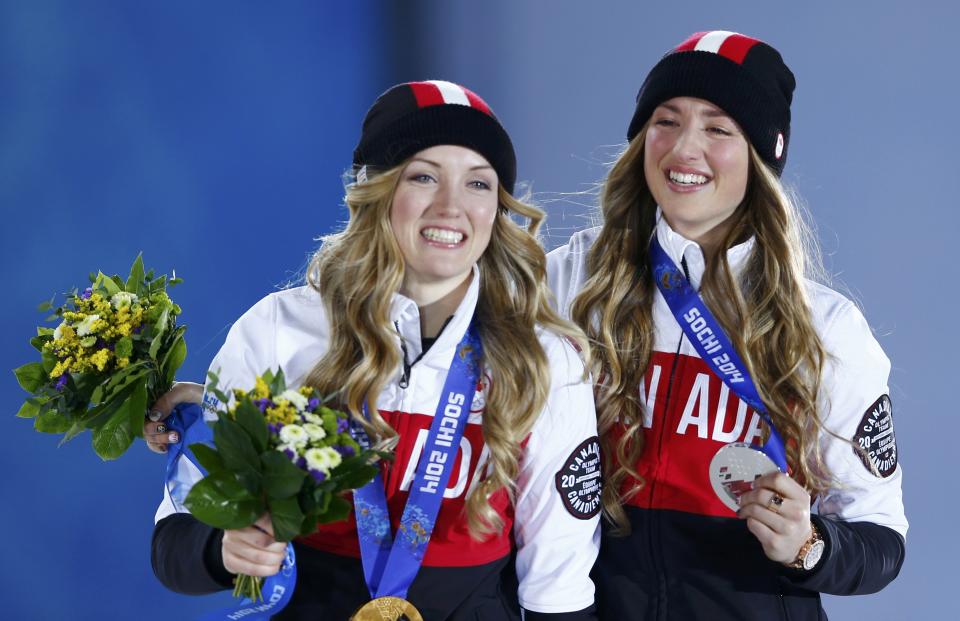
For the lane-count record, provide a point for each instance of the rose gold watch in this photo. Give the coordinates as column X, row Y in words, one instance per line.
column 810, row 552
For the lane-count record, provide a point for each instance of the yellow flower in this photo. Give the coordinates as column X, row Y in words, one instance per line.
column 61, row 367
column 282, row 413
column 261, row 390
column 306, row 391
column 100, row 358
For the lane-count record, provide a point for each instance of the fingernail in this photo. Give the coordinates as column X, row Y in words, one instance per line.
column 155, row 415
column 174, row 436
column 161, row 428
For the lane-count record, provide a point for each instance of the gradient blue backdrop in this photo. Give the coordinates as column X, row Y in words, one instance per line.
column 212, row 137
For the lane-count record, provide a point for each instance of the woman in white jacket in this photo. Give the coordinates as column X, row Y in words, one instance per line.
column 688, row 536
column 429, row 256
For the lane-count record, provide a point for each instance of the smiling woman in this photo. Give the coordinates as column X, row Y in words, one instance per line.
column 427, row 319
column 737, row 392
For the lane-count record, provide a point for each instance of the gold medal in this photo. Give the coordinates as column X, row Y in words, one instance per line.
column 387, row 609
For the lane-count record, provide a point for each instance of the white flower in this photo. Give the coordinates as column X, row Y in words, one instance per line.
column 83, row 328
column 123, row 298
column 295, row 398
column 58, row 333
column 294, row 435
column 316, row 432
column 310, row 417
column 322, row 459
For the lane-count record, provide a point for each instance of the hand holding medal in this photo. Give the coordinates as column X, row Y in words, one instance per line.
column 777, row 511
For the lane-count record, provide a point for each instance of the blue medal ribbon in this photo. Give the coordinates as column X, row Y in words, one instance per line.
column 187, row 420
column 711, row 342
column 390, row 563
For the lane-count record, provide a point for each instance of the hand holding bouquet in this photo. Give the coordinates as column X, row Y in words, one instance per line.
column 281, row 452
column 116, row 349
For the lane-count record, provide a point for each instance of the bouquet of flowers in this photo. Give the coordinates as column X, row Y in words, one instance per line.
column 278, row 451
column 115, row 351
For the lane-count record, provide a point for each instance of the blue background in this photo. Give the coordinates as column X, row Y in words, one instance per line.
column 213, row 136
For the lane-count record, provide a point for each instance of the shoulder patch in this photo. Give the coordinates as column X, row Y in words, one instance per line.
column 578, row 481
column 874, row 442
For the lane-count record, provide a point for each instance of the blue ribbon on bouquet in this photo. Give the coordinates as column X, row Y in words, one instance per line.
column 187, row 420
column 711, row 342
column 390, row 563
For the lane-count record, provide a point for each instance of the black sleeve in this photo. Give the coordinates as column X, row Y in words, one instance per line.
column 859, row 558
column 587, row 614
column 186, row 556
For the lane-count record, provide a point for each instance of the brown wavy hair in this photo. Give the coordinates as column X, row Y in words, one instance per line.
column 765, row 312
column 358, row 270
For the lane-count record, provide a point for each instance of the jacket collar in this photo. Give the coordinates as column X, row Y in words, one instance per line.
column 679, row 247
column 405, row 316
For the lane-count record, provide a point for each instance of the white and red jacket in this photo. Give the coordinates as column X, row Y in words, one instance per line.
column 542, row 556
column 688, row 556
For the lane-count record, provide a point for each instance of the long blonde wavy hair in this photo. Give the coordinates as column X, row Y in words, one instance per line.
column 358, row 270
column 765, row 312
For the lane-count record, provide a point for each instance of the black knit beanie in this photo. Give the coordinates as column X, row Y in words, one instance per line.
column 744, row 76
column 414, row 116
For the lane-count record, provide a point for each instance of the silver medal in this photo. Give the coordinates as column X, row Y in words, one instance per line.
column 734, row 469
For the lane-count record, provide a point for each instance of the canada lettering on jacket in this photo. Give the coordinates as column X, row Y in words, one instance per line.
column 697, row 416
column 710, row 343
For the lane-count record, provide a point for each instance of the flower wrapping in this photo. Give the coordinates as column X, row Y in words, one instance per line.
column 115, row 350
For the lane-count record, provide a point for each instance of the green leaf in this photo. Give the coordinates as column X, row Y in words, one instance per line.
column 281, row 478
column 107, row 283
column 287, row 517
column 277, row 383
column 235, row 446
column 222, row 502
column 161, row 328
column 75, row 429
column 51, row 421
column 249, row 417
column 134, row 282
column 31, row 376
column 137, row 408
column 338, row 509
column 174, row 357
column 45, row 306
column 214, row 380
column 354, row 474
column 29, row 409
column 39, row 341
column 208, row 457
column 114, row 437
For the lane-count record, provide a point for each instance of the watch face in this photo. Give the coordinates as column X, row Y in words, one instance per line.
column 813, row 555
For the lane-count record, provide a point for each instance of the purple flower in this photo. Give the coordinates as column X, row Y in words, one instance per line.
column 263, row 404
column 274, row 429
column 137, row 329
column 342, row 425
column 313, row 404
column 345, row 450
column 290, row 455
column 62, row 382
column 301, row 463
column 318, row 476
column 86, row 293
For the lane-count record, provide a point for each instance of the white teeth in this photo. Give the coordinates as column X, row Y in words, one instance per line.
column 687, row 178
column 444, row 236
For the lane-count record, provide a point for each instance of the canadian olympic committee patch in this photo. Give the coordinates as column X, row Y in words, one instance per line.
column 579, row 480
column 874, row 441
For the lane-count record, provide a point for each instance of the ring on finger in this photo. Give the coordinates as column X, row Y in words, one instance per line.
column 775, row 501
column 161, row 427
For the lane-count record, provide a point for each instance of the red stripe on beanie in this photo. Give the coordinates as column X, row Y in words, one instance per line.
column 690, row 43
column 426, row 94
column 476, row 102
column 736, row 47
